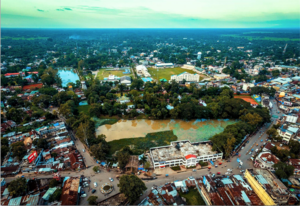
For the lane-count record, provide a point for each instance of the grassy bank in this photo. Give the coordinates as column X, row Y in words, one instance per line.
column 192, row 197
column 141, row 144
column 167, row 72
column 84, row 109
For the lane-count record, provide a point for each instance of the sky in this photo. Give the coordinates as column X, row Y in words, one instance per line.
column 150, row 14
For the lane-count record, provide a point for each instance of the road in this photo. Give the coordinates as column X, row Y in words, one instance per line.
column 103, row 177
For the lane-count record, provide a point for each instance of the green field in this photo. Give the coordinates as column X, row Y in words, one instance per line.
column 103, row 73
column 166, row 73
column 251, row 38
column 141, row 144
column 23, row 38
column 192, row 197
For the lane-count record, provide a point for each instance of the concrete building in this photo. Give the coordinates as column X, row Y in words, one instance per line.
column 111, row 78
column 296, row 164
column 187, row 76
column 183, row 153
column 70, row 191
column 266, row 160
column 125, row 80
column 268, row 187
column 221, row 76
column 141, row 70
column 164, row 65
column 199, row 55
column 83, row 85
column 287, row 132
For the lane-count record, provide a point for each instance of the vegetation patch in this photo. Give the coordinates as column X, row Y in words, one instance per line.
column 176, row 168
column 103, row 73
column 23, row 38
column 143, row 143
column 192, row 197
column 251, row 38
column 167, row 72
column 84, row 109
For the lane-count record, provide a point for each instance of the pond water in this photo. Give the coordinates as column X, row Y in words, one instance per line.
column 67, row 76
column 195, row 130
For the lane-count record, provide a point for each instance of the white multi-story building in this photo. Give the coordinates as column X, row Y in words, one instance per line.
column 187, row 76
column 142, row 70
column 164, row 65
column 199, row 55
column 183, row 153
column 266, row 160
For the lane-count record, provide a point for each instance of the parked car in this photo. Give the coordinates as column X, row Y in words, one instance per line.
column 242, row 171
column 242, row 148
column 111, row 179
column 83, row 195
column 256, row 150
column 194, row 170
column 93, row 191
column 83, row 150
column 250, row 153
column 218, row 173
column 95, row 184
column 213, row 175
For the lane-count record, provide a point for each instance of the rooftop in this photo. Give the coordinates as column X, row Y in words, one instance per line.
column 181, row 150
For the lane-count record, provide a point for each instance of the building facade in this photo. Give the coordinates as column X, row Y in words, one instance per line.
column 185, row 76
column 183, row 153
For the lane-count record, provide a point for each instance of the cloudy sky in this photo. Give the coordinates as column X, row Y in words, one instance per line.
column 150, row 14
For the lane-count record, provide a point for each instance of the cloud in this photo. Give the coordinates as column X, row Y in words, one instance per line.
column 68, row 9
column 59, row 10
column 40, row 10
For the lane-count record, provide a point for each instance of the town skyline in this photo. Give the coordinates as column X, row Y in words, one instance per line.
column 158, row 14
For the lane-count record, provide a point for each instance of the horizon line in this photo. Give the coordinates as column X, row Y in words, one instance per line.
column 151, row 28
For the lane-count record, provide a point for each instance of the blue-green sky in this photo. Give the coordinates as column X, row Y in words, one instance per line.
column 150, row 14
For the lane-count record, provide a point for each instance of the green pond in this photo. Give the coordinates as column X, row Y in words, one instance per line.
column 194, row 130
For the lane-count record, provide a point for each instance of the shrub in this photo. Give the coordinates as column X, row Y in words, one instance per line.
column 203, row 163
column 176, row 168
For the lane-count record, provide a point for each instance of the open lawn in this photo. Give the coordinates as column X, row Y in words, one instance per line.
column 102, row 73
column 141, row 144
column 192, row 197
column 167, row 72
column 250, row 38
column 23, row 38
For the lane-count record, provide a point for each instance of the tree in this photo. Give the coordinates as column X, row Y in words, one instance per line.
column 283, row 170
column 4, row 150
column 96, row 168
column 229, row 146
column 17, row 187
column 147, row 165
column 40, row 143
column 100, row 149
column 18, row 150
column 137, row 84
column 121, row 88
column 272, row 133
column 132, row 187
column 123, row 158
column 56, row 195
column 35, row 78
column 92, row 200
column 15, row 114
column 53, row 183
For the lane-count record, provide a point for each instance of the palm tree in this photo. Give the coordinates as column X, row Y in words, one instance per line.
column 143, row 159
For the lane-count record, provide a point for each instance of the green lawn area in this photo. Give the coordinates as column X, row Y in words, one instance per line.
column 23, row 38
column 142, row 144
column 167, row 72
column 250, row 38
column 192, row 197
column 84, row 109
column 102, row 73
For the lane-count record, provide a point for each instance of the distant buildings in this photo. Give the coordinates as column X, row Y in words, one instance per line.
column 199, row 55
column 164, row 65
column 141, row 70
column 185, row 76
column 125, row 80
column 112, row 78
column 183, row 153
column 221, row 76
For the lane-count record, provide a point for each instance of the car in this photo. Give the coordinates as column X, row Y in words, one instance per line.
column 194, row 170
column 111, row 179
column 83, row 150
column 93, row 191
column 242, row 148
column 227, row 173
column 280, row 145
column 95, row 184
column 250, row 153
column 213, row 175
column 218, row 173
column 229, row 170
column 242, row 171
column 85, row 179
column 83, row 195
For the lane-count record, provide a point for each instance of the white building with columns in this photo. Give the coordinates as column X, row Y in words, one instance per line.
column 187, row 76
column 183, row 153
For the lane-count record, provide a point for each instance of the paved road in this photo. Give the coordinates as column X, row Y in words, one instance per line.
column 103, row 177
